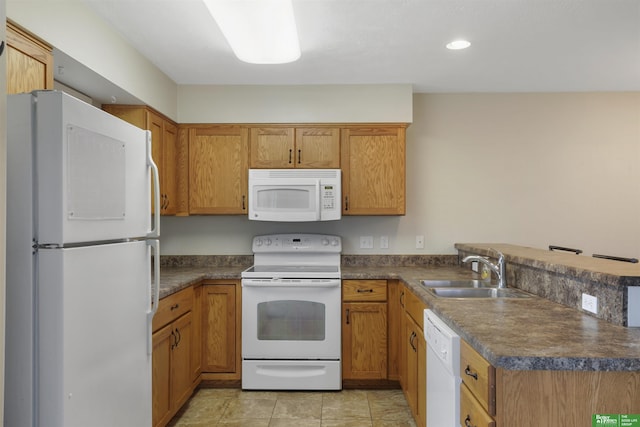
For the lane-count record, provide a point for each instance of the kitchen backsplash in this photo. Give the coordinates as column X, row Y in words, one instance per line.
column 563, row 278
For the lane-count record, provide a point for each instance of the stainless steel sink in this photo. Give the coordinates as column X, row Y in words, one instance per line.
column 458, row 283
column 486, row 292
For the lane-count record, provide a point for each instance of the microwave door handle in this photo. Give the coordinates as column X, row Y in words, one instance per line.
column 319, row 200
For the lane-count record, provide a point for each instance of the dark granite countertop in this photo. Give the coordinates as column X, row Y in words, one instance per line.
column 517, row 334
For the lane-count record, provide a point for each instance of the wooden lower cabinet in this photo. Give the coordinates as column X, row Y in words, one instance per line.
column 413, row 356
column 364, row 330
column 499, row 397
column 221, row 310
column 196, row 348
column 173, row 340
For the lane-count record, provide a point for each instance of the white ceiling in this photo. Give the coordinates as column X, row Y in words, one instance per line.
column 517, row 45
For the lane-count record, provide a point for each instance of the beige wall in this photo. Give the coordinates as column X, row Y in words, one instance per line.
column 530, row 169
column 73, row 28
column 295, row 104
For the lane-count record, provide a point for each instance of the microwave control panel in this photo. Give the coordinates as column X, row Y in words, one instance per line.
column 328, row 197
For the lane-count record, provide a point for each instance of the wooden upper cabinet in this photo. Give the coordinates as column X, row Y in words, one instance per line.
column 167, row 150
column 218, row 169
column 318, row 148
column 373, row 170
column 29, row 61
column 272, row 147
column 300, row 147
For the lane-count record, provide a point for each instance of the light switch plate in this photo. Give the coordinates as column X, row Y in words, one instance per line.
column 366, row 242
column 590, row 303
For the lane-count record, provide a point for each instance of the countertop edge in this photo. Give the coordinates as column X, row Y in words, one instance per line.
column 175, row 279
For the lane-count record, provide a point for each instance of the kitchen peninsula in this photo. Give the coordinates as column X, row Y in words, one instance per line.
column 554, row 365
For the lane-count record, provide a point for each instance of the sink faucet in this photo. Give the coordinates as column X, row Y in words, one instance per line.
column 498, row 268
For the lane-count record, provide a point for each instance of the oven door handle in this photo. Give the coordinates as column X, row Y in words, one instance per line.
column 272, row 284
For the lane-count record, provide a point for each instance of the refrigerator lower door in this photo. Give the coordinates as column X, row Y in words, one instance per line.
column 93, row 325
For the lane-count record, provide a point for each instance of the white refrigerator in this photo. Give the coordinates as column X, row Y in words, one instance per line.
column 81, row 285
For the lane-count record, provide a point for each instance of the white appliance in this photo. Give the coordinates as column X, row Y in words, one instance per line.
column 291, row 329
column 79, row 301
column 294, row 195
column 443, row 372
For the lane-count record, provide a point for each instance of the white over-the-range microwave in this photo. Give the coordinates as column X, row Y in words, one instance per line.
column 294, row 195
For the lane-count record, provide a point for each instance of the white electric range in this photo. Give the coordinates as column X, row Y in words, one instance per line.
column 291, row 333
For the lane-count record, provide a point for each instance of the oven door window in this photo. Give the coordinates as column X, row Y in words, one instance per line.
column 291, row 320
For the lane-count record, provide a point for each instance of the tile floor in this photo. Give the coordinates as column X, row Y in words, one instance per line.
column 346, row 408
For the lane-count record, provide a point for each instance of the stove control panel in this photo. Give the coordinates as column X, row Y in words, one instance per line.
column 297, row 243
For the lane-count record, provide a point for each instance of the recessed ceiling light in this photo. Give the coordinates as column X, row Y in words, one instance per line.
column 458, row 44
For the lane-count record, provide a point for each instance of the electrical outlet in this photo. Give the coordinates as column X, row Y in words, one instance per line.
column 590, row 303
column 384, row 242
column 366, row 242
column 420, row 242
column 474, row 266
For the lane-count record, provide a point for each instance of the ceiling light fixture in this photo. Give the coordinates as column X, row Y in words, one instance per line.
column 458, row 44
column 259, row 31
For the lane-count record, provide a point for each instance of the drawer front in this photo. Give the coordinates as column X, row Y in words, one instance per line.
column 479, row 375
column 415, row 307
column 172, row 307
column 364, row 290
column 471, row 412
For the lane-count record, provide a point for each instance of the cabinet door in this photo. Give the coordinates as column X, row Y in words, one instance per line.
column 181, row 380
column 154, row 124
column 394, row 315
column 169, row 168
column 218, row 170
column 219, row 328
column 29, row 62
column 196, row 347
column 421, row 392
column 373, row 171
column 364, row 341
column 163, row 341
column 272, row 148
column 411, row 373
column 317, row 148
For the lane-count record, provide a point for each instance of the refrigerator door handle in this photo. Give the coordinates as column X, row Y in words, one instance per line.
column 155, row 231
column 155, row 292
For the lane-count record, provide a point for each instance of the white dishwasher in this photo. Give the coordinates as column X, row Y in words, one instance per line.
column 443, row 372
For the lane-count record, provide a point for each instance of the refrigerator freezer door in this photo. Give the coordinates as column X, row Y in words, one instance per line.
column 93, row 305
column 93, row 180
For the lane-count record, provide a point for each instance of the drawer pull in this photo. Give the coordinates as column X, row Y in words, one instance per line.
column 362, row 291
column 174, row 307
column 467, row 422
column 468, row 371
column 347, row 313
